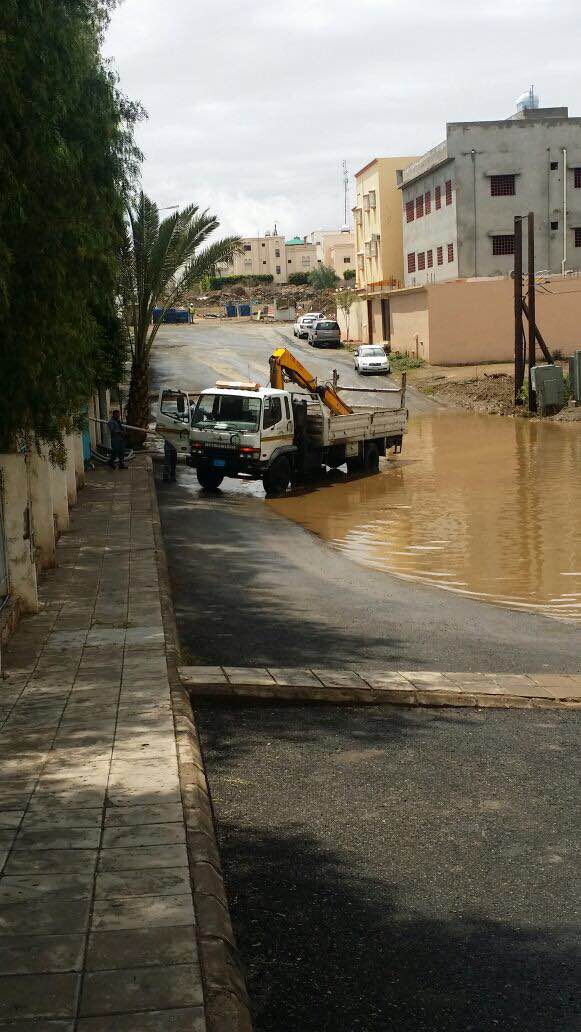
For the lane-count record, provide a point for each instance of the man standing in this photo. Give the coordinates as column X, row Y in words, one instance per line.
column 117, row 440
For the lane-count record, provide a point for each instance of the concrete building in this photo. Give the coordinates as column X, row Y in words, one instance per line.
column 301, row 256
column 460, row 198
column 335, row 248
column 262, row 256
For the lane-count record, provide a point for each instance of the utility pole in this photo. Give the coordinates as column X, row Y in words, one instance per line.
column 532, row 308
column 518, row 324
column 345, row 191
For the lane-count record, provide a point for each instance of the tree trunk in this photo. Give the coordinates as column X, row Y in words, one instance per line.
column 137, row 413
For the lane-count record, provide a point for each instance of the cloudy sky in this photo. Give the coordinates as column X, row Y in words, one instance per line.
column 253, row 105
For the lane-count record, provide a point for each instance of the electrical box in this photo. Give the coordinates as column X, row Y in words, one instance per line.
column 547, row 381
column 575, row 376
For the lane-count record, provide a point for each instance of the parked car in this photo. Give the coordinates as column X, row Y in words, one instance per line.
column 324, row 333
column 371, row 358
column 301, row 327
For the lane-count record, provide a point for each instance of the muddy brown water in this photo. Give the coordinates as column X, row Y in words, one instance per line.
column 485, row 506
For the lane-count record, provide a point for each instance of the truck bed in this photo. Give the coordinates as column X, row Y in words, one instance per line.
column 364, row 423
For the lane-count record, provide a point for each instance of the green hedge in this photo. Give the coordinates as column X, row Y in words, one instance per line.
column 218, row 282
column 299, row 279
column 349, row 274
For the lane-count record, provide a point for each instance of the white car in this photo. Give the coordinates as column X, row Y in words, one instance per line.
column 371, row 358
column 301, row 327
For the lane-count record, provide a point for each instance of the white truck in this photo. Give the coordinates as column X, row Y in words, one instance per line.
column 274, row 434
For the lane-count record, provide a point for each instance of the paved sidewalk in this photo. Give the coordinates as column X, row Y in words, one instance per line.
column 402, row 687
column 97, row 925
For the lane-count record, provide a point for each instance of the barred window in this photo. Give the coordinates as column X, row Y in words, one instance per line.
column 503, row 244
column 450, row 252
column 421, row 259
column 428, row 202
column 577, row 173
column 448, row 191
column 409, row 211
column 578, row 236
column 438, row 193
column 502, row 186
column 419, row 206
column 430, row 257
column 412, row 261
column 440, row 255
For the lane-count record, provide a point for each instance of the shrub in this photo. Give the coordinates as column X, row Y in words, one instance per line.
column 349, row 274
column 323, row 277
column 401, row 360
column 299, row 279
column 220, row 282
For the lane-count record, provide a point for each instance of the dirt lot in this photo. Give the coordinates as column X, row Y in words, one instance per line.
column 477, row 390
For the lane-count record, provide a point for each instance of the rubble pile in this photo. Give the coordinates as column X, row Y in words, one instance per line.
column 304, row 298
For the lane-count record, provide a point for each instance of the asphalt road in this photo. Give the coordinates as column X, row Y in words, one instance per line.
column 193, row 357
column 252, row 589
column 400, row 869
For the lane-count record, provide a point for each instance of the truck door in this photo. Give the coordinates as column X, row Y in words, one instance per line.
column 277, row 424
column 173, row 418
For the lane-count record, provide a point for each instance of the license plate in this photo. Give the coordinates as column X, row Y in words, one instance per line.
column 220, row 462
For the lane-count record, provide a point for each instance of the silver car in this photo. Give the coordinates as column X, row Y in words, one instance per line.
column 304, row 322
column 325, row 333
column 371, row 358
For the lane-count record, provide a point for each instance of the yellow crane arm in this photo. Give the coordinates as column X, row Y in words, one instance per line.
column 284, row 365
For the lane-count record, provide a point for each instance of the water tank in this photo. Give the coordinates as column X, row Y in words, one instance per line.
column 527, row 100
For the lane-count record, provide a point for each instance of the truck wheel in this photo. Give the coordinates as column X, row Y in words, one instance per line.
column 277, row 477
column 209, row 478
column 371, row 458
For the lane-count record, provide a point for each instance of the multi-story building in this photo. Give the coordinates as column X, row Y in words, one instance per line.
column 460, row 199
column 271, row 255
column 335, row 248
column 300, row 256
column 378, row 236
column 262, row 256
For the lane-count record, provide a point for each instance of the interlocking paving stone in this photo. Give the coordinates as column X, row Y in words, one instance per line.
column 149, row 882
column 26, row 954
column 120, row 817
column 71, row 886
column 45, row 915
column 137, row 989
column 142, row 912
column 144, row 835
column 129, row 858
column 189, row 1019
column 38, row 995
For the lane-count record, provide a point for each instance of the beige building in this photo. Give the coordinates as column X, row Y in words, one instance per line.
column 262, row 256
column 301, row 256
column 335, row 248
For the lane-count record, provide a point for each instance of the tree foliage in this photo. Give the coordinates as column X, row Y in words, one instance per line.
column 161, row 262
column 349, row 274
column 346, row 298
column 299, row 279
column 66, row 158
column 323, row 277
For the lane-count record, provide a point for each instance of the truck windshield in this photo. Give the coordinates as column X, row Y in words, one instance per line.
column 234, row 411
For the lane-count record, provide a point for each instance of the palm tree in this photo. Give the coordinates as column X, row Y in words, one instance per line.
column 160, row 263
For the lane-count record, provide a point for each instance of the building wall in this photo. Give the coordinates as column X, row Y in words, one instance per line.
column 527, row 147
column 472, row 321
column 300, row 258
column 262, row 256
column 427, row 232
column 340, row 257
column 382, row 265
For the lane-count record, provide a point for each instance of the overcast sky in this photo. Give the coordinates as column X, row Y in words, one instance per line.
column 253, row 105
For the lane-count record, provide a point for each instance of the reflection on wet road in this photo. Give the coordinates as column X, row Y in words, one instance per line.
column 482, row 505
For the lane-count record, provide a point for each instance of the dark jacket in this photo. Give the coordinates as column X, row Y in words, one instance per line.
column 115, row 429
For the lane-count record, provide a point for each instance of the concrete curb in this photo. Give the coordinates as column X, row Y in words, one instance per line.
column 225, row 996
column 410, row 694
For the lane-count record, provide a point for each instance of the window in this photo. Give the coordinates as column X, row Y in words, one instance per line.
column 289, row 261
column 287, row 408
column 450, row 252
column 419, row 206
column 430, row 257
column 411, row 261
column 421, row 259
column 277, row 252
column 306, row 262
column 248, row 263
column 438, row 197
column 346, row 261
column 278, row 270
column 554, row 225
column 448, row 186
column 263, row 245
column 409, row 211
column 440, row 255
column 502, row 186
column 578, row 237
column 272, row 412
column 428, row 202
column 264, row 263
column 554, row 166
column 247, row 247
column 577, row 177
column 503, row 244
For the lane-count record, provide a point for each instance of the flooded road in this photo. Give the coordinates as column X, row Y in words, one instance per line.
column 485, row 506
